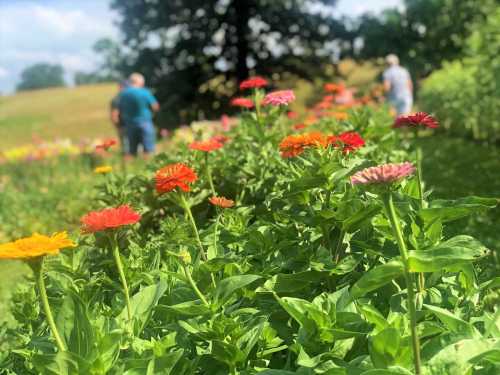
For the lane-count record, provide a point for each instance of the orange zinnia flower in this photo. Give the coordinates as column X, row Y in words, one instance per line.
column 221, row 202
column 339, row 115
column 109, row 218
column 106, row 144
column 174, row 175
column 294, row 145
column 35, row 246
column 206, row 146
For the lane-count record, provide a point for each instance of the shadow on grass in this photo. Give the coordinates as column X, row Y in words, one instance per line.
column 454, row 168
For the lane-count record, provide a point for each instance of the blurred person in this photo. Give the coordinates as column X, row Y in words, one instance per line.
column 136, row 105
column 398, row 86
column 117, row 119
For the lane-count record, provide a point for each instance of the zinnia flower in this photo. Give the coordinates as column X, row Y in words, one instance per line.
column 221, row 138
column 339, row 115
column 174, row 175
column 109, row 218
column 299, row 126
column 294, row 145
column 292, row 115
column 103, row 169
column 221, row 202
column 242, row 102
column 381, row 174
column 276, row 98
column 35, row 246
column 106, row 144
column 206, row 146
column 334, row 87
column 415, row 120
column 253, row 83
column 349, row 141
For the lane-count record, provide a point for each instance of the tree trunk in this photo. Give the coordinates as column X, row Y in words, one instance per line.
column 242, row 16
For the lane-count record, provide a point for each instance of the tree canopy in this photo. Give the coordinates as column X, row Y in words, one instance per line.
column 195, row 52
column 40, row 76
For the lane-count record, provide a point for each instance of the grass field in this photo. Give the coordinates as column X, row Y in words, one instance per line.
column 74, row 113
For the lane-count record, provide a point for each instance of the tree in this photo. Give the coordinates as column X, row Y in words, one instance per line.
column 113, row 61
column 84, row 78
column 195, row 52
column 423, row 35
column 40, row 76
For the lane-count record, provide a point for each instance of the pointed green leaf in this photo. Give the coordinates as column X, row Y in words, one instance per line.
column 377, row 277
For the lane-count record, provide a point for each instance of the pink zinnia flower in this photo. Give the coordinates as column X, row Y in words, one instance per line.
column 282, row 97
column 253, row 83
column 381, row 174
column 417, row 119
column 242, row 102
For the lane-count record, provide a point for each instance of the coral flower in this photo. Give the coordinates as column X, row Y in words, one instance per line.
column 109, row 218
column 242, row 102
column 299, row 126
column 206, row 146
column 415, row 120
column 106, row 144
column 221, row 138
column 103, row 169
column 174, row 175
column 276, row 98
column 253, row 83
column 294, row 145
column 221, row 202
column 292, row 115
column 349, row 141
column 334, row 87
column 35, row 246
column 381, row 174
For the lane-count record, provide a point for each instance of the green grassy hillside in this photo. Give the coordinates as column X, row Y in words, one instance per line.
column 55, row 113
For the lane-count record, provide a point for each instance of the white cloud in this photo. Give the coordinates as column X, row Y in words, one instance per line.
column 3, row 72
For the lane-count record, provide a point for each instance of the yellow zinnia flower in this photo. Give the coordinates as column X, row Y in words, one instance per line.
column 35, row 246
column 103, row 169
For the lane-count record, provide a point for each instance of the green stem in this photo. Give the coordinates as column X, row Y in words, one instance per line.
column 209, row 175
column 389, row 205
column 338, row 248
column 38, row 270
column 215, row 232
column 193, row 285
column 187, row 209
column 418, row 157
column 119, row 266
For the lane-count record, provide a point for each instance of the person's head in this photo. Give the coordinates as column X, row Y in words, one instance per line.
column 136, row 80
column 392, row 60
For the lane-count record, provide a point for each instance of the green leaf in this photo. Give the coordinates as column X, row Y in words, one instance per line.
column 227, row 353
column 73, row 323
column 229, row 285
column 452, row 322
column 457, row 250
column 108, row 349
column 393, row 370
column 449, row 210
column 307, row 314
column 189, row 308
column 377, row 277
column 384, row 347
column 62, row 363
column 142, row 304
column 359, row 218
column 293, row 282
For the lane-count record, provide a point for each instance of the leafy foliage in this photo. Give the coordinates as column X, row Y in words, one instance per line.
column 40, row 76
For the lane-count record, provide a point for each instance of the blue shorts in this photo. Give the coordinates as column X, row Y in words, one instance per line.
column 141, row 134
column 402, row 105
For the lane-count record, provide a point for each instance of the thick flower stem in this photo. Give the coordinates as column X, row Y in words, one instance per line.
column 194, row 286
column 338, row 248
column 187, row 209
column 209, row 175
column 418, row 158
column 216, row 232
column 119, row 266
column 389, row 205
column 38, row 270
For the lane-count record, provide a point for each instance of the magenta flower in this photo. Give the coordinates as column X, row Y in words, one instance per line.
column 282, row 97
column 381, row 174
column 416, row 120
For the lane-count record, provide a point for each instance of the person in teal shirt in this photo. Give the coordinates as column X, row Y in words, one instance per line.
column 136, row 105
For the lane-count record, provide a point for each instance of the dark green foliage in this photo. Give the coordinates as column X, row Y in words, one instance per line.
column 41, row 76
column 193, row 53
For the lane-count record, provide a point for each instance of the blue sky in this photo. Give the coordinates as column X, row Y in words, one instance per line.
column 63, row 31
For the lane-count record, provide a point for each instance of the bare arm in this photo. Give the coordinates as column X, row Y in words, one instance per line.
column 387, row 85
column 410, row 85
column 115, row 117
column 155, row 107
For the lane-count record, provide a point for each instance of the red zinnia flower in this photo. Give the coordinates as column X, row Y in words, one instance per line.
column 109, row 218
column 253, row 83
column 206, row 146
column 299, row 126
column 276, row 98
column 417, row 119
column 292, row 115
column 106, row 144
column 174, row 175
column 334, row 87
column 221, row 138
column 294, row 145
column 221, row 202
column 242, row 102
column 349, row 141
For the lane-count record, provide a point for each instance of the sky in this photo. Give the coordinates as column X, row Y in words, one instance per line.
column 63, row 31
